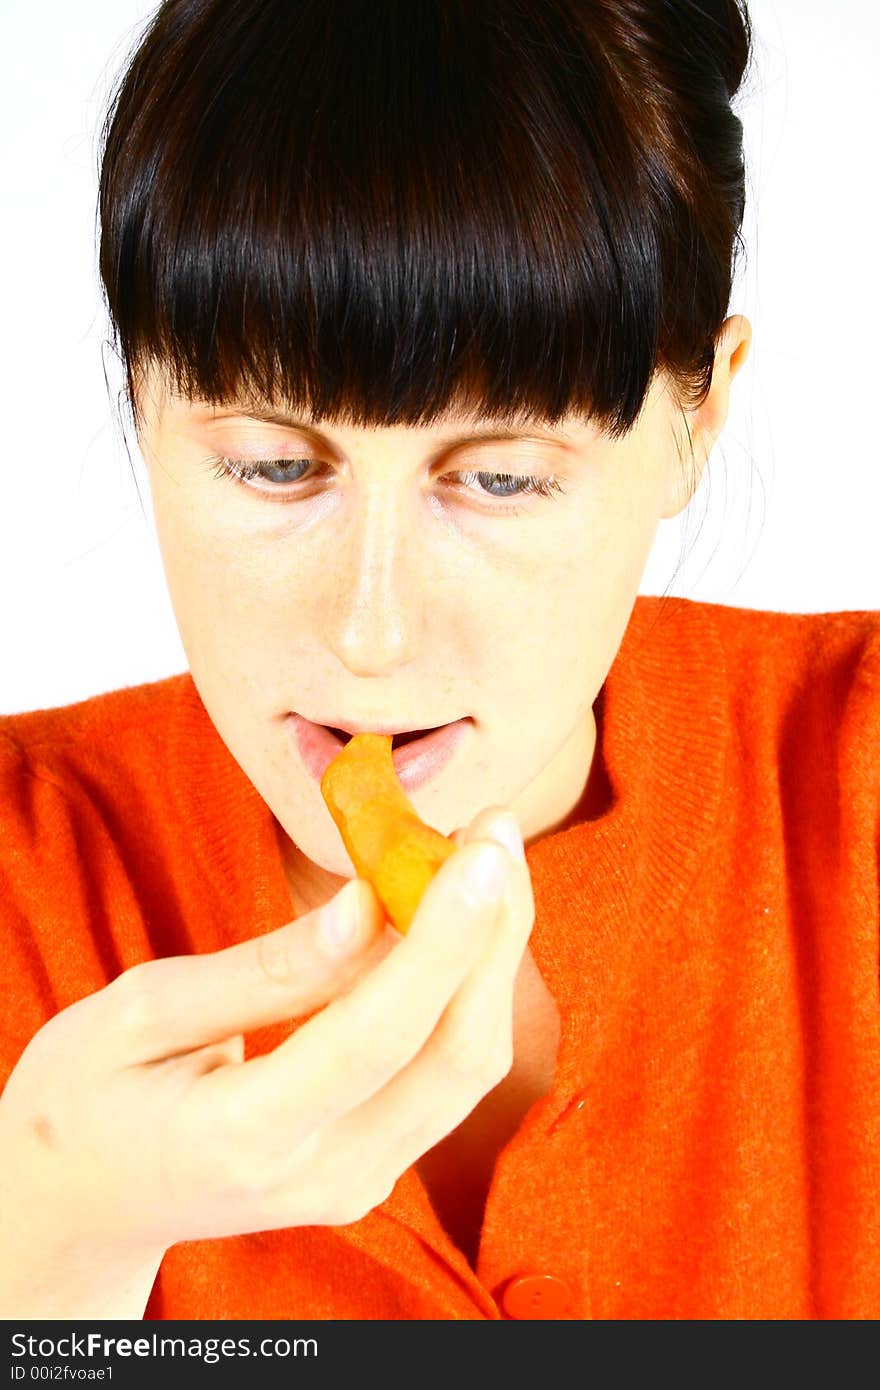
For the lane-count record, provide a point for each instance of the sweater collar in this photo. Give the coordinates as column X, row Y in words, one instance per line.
column 602, row 887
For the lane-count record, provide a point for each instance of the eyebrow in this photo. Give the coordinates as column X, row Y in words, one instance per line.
column 536, row 433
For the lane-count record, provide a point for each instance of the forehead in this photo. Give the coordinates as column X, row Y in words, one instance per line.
column 457, row 424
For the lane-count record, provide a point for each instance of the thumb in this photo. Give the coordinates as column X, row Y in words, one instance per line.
column 341, row 923
column 179, row 1003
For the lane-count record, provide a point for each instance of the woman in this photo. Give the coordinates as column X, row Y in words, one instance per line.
column 423, row 312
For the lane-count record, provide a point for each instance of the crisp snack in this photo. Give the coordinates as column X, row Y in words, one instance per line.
column 385, row 840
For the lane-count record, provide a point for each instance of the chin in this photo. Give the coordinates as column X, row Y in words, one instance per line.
column 332, row 858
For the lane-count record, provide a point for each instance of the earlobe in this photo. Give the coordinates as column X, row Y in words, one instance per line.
column 686, row 471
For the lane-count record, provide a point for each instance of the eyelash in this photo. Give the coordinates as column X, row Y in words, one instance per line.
column 243, row 472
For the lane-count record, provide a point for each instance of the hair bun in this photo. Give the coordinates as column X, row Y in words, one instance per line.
column 727, row 34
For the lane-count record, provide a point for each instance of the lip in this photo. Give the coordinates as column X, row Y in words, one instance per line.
column 415, row 763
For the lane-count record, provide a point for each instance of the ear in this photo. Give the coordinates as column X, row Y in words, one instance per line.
column 149, row 386
column 705, row 422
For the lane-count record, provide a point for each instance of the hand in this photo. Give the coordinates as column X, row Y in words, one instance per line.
column 132, row 1121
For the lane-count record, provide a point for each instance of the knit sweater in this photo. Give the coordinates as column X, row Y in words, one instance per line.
column 710, row 1146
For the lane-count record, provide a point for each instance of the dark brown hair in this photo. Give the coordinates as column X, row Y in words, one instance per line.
column 378, row 211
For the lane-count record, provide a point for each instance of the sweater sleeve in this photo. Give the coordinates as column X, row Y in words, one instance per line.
column 860, row 807
column 51, row 853
column 871, row 672
column 860, row 790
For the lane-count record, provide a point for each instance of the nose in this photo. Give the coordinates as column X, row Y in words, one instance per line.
column 376, row 589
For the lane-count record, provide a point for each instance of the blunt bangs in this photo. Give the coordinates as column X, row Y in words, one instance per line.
column 383, row 212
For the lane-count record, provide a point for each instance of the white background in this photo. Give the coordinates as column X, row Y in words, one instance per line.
column 786, row 517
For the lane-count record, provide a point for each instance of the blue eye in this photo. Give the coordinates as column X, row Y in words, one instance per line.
column 518, row 484
column 513, row 485
column 238, row 468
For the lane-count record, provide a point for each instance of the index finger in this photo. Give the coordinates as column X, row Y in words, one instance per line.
column 173, row 1004
column 349, row 1051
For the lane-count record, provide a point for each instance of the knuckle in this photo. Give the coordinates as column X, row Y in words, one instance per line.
column 469, row 1049
column 381, row 1046
column 136, row 1002
column 503, row 1060
column 461, row 1055
column 365, row 1066
column 223, row 1108
column 492, row 1075
column 214, row 1117
column 273, row 957
column 376, row 1060
column 49, row 1039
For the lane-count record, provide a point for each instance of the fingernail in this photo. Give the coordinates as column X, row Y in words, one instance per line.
column 507, row 832
column 339, row 919
column 484, row 875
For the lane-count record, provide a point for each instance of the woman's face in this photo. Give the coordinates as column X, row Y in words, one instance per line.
column 391, row 578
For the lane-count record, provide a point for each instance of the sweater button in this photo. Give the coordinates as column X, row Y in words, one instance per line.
column 536, row 1296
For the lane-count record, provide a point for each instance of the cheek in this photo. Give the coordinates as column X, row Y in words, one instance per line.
column 564, row 620
column 224, row 593
column 206, row 557
column 535, row 632
column 613, row 548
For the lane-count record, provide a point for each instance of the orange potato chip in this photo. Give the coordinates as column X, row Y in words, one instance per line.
column 386, row 841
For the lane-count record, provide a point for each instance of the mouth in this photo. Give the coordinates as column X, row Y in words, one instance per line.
column 419, row 754
column 397, row 740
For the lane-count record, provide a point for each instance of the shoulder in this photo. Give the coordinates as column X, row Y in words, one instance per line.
column 795, row 700
column 78, row 783
column 796, row 707
column 93, row 743
column 788, row 642
column 800, row 645
column 775, row 662
column 810, row 681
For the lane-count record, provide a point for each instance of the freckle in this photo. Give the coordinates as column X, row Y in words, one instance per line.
column 44, row 1131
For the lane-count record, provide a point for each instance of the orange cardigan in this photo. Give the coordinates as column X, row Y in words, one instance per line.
column 710, row 1147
